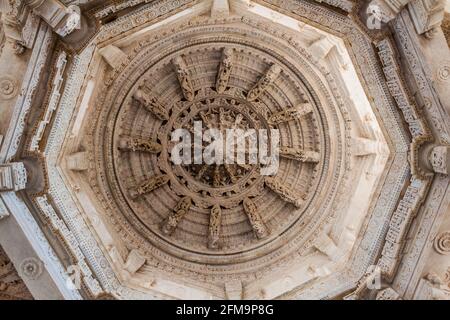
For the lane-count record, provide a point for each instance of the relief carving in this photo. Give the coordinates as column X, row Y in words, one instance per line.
column 150, row 103
column 142, row 145
column 152, row 184
column 291, row 114
column 224, row 70
column 257, row 223
column 285, row 193
column 184, row 78
column 215, row 221
column 266, row 80
column 300, row 155
column 180, row 210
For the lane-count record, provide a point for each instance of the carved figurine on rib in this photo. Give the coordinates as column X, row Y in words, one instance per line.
column 263, row 83
column 180, row 210
column 224, row 70
column 184, row 78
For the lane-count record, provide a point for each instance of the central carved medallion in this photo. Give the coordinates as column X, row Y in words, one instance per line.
column 222, row 118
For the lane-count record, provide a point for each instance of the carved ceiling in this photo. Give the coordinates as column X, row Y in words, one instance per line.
column 206, row 224
column 363, row 151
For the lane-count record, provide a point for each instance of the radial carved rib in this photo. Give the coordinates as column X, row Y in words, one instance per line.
column 285, row 193
column 258, row 225
column 216, row 176
column 140, row 145
column 150, row 103
column 184, row 78
column 291, row 114
column 300, row 155
column 224, row 70
column 180, row 210
column 215, row 220
column 152, row 184
column 263, row 83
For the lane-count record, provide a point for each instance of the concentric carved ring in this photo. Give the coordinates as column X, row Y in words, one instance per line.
column 182, row 215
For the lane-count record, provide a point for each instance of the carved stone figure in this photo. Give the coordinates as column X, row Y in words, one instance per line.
column 284, row 192
column 140, row 145
column 255, row 219
column 180, row 210
column 151, row 104
column 215, row 221
column 224, row 70
column 263, row 83
column 152, row 184
column 290, row 114
column 184, row 78
column 300, row 155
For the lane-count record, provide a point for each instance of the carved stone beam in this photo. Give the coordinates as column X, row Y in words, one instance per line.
column 300, row 155
column 152, row 184
column 220, row 9
column 180, row 210
column 224, row 70
column 143, row 96
column 285, row 193
column 257, row 223
column 140, row 145
column 266, row 80
column 184, row 78
column 215, row 221
column 113, row 56
column 13, row 176
column 290, row 114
